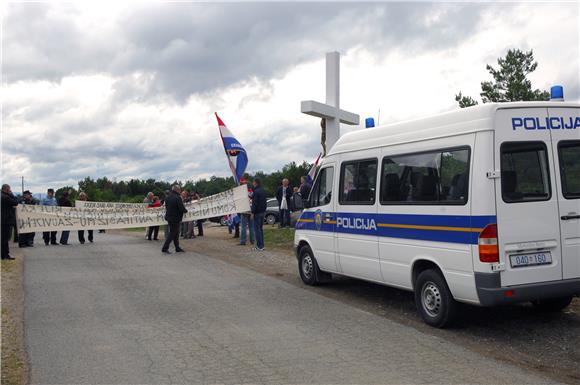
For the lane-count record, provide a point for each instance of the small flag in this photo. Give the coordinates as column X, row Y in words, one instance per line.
column 312, row 172
column 237, row 157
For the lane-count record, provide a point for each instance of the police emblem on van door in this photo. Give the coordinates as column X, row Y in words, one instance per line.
column 318, row 219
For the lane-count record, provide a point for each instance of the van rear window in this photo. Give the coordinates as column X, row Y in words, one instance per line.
column 569, row 154
column 524, row 172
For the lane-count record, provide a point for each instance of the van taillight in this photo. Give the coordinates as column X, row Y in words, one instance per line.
column 488, row 251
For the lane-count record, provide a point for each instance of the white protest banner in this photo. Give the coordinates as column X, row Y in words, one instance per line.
column 108, row 205
column 31, row 218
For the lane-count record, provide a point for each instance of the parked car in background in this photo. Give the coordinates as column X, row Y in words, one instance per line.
column 272, row 213
column 220, row 220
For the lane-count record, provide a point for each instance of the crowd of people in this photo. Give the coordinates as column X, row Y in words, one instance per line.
column 174, row 203
column 289, row 200
column 250, row 223
column 9, row 203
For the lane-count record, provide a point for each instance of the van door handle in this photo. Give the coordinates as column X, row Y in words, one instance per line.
column 568, row 217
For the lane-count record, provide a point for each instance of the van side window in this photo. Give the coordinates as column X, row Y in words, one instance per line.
column 358, row 182
column 569, row 154
column 322, row 191
column 436, row 177
column 524, row 172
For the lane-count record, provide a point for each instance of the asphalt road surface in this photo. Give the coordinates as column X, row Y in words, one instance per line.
column 118, row 311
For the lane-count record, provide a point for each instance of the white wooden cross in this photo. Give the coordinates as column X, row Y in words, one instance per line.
column 330, row 112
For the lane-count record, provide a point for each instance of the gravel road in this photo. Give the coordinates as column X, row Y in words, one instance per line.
column 118, row 311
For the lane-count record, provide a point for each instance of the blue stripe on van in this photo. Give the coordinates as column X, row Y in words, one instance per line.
column 438, row 228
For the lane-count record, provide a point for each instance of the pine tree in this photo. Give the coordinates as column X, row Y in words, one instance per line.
column 510, row 82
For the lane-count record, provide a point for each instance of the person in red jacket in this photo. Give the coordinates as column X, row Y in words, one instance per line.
column 153, row 230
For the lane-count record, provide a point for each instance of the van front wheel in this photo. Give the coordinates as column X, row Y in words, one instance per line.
column 309, row 271
column 434, row 300
column 552, row 305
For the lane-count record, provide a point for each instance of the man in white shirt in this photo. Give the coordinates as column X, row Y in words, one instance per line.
column 284, row 197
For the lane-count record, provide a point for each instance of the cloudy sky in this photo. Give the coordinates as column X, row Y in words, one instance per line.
column 128, row 90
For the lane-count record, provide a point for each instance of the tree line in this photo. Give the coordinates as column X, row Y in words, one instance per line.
column 134, row 190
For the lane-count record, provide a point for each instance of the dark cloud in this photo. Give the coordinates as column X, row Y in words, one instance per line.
column 134, row 122
column 198, row 47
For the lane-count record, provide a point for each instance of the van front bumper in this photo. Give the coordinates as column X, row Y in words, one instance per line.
column 491, row 292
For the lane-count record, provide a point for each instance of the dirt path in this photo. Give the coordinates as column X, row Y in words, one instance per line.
column 548, row 343
column 14, row 360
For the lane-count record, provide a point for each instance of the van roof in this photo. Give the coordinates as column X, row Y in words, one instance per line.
column 460, row 121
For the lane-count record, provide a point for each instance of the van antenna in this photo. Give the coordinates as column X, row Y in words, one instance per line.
column 379, row 118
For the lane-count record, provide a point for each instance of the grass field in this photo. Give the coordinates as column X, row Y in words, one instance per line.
column 278, row 238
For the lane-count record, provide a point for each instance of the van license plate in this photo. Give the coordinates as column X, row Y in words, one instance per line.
column 531, row 259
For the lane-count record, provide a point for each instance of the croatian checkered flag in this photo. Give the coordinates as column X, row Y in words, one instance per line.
column 237, row 157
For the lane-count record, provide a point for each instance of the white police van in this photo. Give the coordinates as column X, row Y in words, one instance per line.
column 479, row 205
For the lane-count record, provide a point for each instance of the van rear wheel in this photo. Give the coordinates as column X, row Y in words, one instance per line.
column 433, row 299
column 308, row 268
column 552, row 305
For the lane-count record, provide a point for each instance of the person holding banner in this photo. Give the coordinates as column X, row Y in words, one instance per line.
column 153, row 231
column 185, row 197
column 199, row 222
column 83, row 197
column 27, row 239
column 247, row 221
column 174, row 210
column 64, row 201
column 50, row 200
column 148, row 200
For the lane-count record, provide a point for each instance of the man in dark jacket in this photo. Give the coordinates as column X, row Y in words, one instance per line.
column 65, row 202
column 9, row 202
column 304, row 188
column 258, row 211
column 27, row 239
column 174, row 210
column 284, row 197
